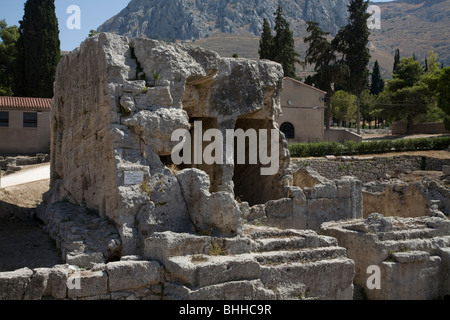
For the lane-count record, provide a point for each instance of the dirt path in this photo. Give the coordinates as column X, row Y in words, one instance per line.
column 30, row 174
column 22, row 241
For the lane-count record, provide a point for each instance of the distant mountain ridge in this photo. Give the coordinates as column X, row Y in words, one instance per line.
column 194, row 19
column 233, row 26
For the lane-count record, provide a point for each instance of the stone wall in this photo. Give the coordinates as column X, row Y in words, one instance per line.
column 341, row 135
column 412, row 255
column 117, row 102
column 12, row 164
column 369, row 169
column 312, row 200
column 400, row 127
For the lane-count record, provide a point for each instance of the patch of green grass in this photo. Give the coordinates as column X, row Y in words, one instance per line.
column 217, row 249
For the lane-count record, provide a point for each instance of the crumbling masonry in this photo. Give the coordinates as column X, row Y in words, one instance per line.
column 141, row 228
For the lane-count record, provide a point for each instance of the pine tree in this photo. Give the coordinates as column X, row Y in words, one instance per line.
column 377, row 84
column 284, row 46
column 40, row 48
column 323, row 55
column 266, row 45
column 8, row 55
column 353, row 40
column 396, row 60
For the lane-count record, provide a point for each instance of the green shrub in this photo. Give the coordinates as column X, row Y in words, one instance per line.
column 320, row 149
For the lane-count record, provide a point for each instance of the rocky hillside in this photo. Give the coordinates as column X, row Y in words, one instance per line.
column 233, row 26
column 194, row 19
column 415, row 27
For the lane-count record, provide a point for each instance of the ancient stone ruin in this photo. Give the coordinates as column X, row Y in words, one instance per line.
column 131, row 224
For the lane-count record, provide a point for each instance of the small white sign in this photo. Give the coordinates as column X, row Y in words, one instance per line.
column 133, row 177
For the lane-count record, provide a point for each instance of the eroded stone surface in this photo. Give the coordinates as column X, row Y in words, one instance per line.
column 411, row 254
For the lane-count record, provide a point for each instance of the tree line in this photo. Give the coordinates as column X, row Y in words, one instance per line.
column 30, row 52
column 417, row 92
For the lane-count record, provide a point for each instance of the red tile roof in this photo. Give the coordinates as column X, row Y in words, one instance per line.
column 25, row 103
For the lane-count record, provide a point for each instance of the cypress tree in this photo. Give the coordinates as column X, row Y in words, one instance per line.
column 40, row 48
column 377, row 84
column 396, row 61
column 284, row 46
column 354, row 38
column 266, row 44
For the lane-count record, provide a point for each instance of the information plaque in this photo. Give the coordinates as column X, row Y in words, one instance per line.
column 133, row 177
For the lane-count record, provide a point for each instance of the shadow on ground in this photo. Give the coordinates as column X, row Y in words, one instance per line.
column 23, row 243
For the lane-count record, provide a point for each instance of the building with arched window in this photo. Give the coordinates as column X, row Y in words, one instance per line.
column 288, row 129
column 303, row 109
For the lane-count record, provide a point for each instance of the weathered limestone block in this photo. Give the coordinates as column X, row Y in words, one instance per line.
column 13, row 284
column 234, row 290
column 90, row 284
column 155, row 96
column 162, row 245
column 156, row 125
column 128, row 275
column 38, row 284
column 411, row 254
column 217, row 213
column 218, row 269
column 395, row 198
column 446, row 170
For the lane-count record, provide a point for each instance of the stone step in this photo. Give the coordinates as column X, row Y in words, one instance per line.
column 273, row 239
column 409, row 234
column 432, row 245
column 324, row 279
column 300, row 256
column 292, row 243
column 233, row 290
column 196, row 271
column 263, row 232
column 163, row 245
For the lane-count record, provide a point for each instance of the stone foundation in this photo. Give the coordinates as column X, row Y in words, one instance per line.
column 312, row 200
column 412, row 254
column 264, row 263
column 369, row 169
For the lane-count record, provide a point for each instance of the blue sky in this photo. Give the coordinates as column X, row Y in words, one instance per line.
column 93, row 13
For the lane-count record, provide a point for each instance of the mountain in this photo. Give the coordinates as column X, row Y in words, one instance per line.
column 233, row 26
column 194, row 19
column 415, row 27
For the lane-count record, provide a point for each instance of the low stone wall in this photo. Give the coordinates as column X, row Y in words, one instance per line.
column 312, row 200
column 12, row 164
column 397, row 258
column 116, row 280
column 341, row 135
column 425, row 128
column 369, row 169
column 398, row 198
